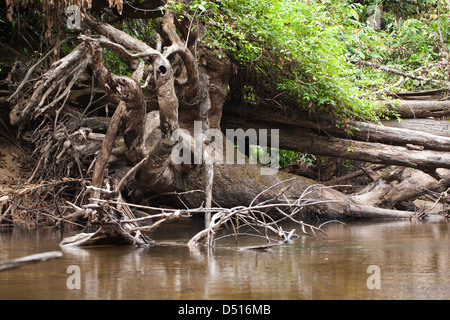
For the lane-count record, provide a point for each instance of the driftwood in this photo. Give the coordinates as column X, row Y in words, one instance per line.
column 401, row 184
column 105, row 151
column 253, row 220
column 109, row 233
column 367, row 212
column 18, row 262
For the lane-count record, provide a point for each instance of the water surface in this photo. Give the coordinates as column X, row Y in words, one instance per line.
column 413, row 260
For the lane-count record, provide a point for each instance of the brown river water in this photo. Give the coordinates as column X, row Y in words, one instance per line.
column 363, row 260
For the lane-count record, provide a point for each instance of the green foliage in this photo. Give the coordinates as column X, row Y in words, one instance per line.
column 409, row 41
column 303, row 52
column 285, row 157
column 141, row 29
column 295, row 45
column 401, row 8
column 306, row 48
column 114, row 64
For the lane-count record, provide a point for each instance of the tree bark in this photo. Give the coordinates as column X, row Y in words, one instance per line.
column 327, row 126
column 238, row 185
column 420, row 109
column 429, row 126
column 105, row 150
column 367, row 212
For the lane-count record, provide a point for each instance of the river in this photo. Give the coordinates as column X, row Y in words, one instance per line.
column 363, row 260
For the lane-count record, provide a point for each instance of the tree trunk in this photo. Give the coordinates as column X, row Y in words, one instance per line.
column 420, row 109
column 430, row 126
column 367, row 212
column 238, row 185
column 298, row 139
column 391, row 132
column 400, row 136
column 431, row 94
column 427, row 160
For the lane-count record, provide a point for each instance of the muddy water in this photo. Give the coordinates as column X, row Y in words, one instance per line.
column 410, row 260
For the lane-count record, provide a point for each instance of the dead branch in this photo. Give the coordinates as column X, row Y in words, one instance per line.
column 354, row 174
column 109, row 232
column 443, row 196
column 53, row 80
column 255, row 218
column 14, row 263
column 32, row 68
column 105, row 150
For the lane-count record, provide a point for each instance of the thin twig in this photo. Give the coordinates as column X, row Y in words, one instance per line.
column 271, row 187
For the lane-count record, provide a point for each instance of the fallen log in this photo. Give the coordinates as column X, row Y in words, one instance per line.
column 298, row 139
column 366, row 212
column 373, row 213
column 236, row 116
column 431, row 126
column 427, row 160
column 430, row 94
column 18, row 262
column 400, row 185
column 419, row 109
column 399, row 136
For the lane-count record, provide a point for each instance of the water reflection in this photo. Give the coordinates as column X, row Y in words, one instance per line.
column 413, row 259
